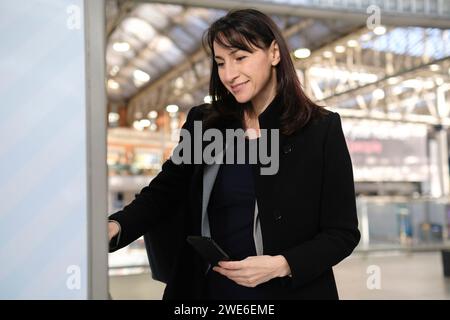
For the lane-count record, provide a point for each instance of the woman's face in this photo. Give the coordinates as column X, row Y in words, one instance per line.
column 249, row 76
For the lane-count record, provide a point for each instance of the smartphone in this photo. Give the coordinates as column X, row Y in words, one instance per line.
column 208, row 249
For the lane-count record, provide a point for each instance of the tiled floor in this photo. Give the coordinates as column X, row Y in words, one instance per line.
column 402, row 276
column 375, row 276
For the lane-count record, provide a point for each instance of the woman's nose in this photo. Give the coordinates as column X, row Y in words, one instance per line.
column 230, row 73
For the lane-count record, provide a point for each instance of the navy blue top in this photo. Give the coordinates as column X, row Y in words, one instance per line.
column 231, row 209
column 231, row 213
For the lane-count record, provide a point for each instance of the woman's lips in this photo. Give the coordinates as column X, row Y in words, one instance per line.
column 238, row 87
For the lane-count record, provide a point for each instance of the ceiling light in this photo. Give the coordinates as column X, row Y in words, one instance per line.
column 113, row 117
column 179, row 83
column 114, row 70
column 112, row 84
column 397, row 90
column 139, row 28
column 153, row 114
column 144, row 123
column 352, row 43
column 339, row 49
column 327, row 54
column 302, row 53
column 379, row 30
column 121, row 46
column 393, row 80
column 435, row 67
column 172, row 108
column 141, row 76
column 137, row 125
column 163, row 43
column 413, row 83
column 378, row 94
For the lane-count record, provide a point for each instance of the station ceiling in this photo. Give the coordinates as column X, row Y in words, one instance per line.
column 154, row 55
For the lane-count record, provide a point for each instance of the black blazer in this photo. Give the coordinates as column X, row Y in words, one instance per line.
column 307, row 210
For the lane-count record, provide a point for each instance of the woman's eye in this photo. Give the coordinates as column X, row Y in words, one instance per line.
column 219, row 64
column 241, row 58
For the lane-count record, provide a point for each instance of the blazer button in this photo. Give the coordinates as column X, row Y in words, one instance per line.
column 287, row 148
column 277, row 215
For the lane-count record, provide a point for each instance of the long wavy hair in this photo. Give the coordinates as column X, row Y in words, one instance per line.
column 243, row 29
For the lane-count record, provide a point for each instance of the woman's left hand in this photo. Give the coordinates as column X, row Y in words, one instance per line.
column 254, row 270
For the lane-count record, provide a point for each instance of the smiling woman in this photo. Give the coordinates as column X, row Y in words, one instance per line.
column 248, row 74
column 251, row 63
column 284, row 231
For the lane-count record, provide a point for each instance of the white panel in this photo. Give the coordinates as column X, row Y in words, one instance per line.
column 43, row 187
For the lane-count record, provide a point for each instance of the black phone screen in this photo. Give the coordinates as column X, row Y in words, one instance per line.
column 208, row 249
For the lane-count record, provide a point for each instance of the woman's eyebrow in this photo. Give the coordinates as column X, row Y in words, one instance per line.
column 233, row 51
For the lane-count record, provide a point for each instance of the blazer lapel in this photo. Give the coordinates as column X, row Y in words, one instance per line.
column 209, row 177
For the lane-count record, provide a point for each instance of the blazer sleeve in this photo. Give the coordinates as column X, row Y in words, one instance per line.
column 155, row 201
column 339, row 233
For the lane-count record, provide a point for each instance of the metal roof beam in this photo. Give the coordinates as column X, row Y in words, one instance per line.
column 402, row 15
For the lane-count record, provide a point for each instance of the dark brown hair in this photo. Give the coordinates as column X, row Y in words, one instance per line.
column 243, row 29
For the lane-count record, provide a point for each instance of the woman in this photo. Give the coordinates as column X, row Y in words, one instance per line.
column 283, row 231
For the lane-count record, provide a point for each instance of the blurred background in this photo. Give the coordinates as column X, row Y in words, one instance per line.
column 383, row 65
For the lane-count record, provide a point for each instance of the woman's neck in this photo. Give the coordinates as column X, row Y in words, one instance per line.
column 251, row 124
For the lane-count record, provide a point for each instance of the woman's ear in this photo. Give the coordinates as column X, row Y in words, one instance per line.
column 274, row 52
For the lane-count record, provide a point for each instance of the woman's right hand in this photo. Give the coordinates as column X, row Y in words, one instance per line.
column 113, row 229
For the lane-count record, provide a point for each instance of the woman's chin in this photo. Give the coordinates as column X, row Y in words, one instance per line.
column 242, row 99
